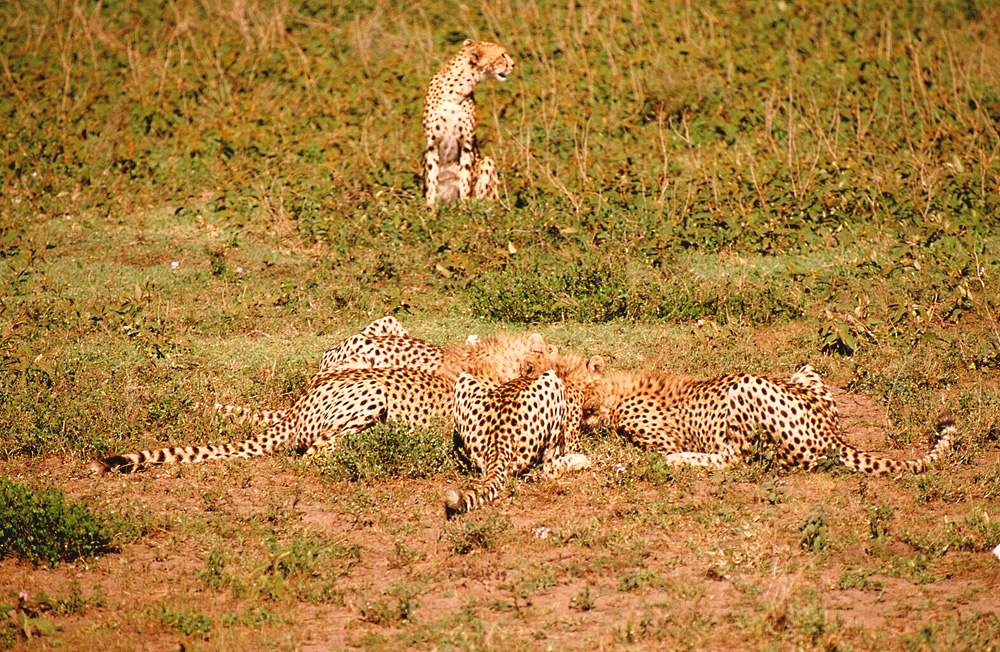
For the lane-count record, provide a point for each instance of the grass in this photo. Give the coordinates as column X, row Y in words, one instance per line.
column 389, row 451
column 197, row 198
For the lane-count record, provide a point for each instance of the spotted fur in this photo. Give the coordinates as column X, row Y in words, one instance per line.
column 508, row 428
column 714, row 423
column 578, row 376
column 496, row 358
column 339, row 404
column 453, row 167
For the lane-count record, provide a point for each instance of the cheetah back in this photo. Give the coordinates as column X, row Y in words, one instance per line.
column 341, row 403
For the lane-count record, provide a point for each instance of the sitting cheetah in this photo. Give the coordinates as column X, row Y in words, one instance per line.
column 508, row 428
column 453, row 168
column 713, row 422
column 340, row 403
column 497, row 358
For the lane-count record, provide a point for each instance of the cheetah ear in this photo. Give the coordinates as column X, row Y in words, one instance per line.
column 474, row 53
column 596, row 365
column 467, row 42
column 536, row 343
column 527, row 366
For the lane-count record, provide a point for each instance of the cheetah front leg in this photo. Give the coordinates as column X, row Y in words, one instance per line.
column 466, row 161
column 431, row 167
column 486, row 180
column 718, row 461
column 555, row 464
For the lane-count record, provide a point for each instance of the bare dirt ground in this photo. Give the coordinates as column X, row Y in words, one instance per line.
column 611, row 558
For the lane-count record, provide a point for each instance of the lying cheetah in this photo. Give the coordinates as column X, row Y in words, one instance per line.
column 508, row 428
column 712, row 423
column 497, row 359
column 453, row 168
column 340, row 403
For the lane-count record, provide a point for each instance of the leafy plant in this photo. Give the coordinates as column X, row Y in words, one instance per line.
column 392, row 609
column 584, row 600
column 388, row 450
column 815, row 532
column 476, row 531
column 879, row 519
column 41, row 526
column 185, row 621
column 838, row 338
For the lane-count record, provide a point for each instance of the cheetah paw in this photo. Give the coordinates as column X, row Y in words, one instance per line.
column 577, row 462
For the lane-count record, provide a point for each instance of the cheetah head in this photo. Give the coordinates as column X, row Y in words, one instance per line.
column 488, row 60
column 594, row 413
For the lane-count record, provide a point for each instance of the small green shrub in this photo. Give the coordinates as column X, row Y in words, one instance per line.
column 815, row 534
column 589, row 292
column 775, row 491
column 635, row 580
column 837, row 338
column 24, row 620
column 393, row 609
column 386, row 451
column 601, row 291
column 583, row 601
column 859, row 579
column 40, row 526
column 879, row 518
column 301, row 568
column 185, row 621
column 476, row 531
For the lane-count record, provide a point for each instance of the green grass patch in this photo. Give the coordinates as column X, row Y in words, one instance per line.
column 479, row 530
column 390, row 450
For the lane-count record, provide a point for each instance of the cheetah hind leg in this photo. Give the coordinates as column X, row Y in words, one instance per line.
column 486, row 179
column 329, row 437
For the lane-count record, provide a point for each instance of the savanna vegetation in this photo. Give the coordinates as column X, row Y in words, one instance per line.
column 197, row 197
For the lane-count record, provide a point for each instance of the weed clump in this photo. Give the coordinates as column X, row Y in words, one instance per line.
column 41, row 526
column 815, row 531
column 598, row 291
column 475, row 532
column 592, row 292
column 391, row 450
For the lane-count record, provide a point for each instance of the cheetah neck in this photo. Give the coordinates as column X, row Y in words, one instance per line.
column 570, row 368
column 459, row 80
column 495, row 359
column 612, row 389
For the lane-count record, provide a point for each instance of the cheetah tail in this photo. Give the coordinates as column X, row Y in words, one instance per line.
column 262, row 444
column 861, row 461
column 241, row 414
column 946, row 431
column 457, row 501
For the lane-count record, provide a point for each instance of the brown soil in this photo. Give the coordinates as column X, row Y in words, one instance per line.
column 703, row 562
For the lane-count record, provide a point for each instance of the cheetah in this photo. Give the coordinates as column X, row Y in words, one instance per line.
column 497, row 358
column 578, row 375
column 453, row 167
column 507, row 428
column 712, row 423
column 340, row 404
